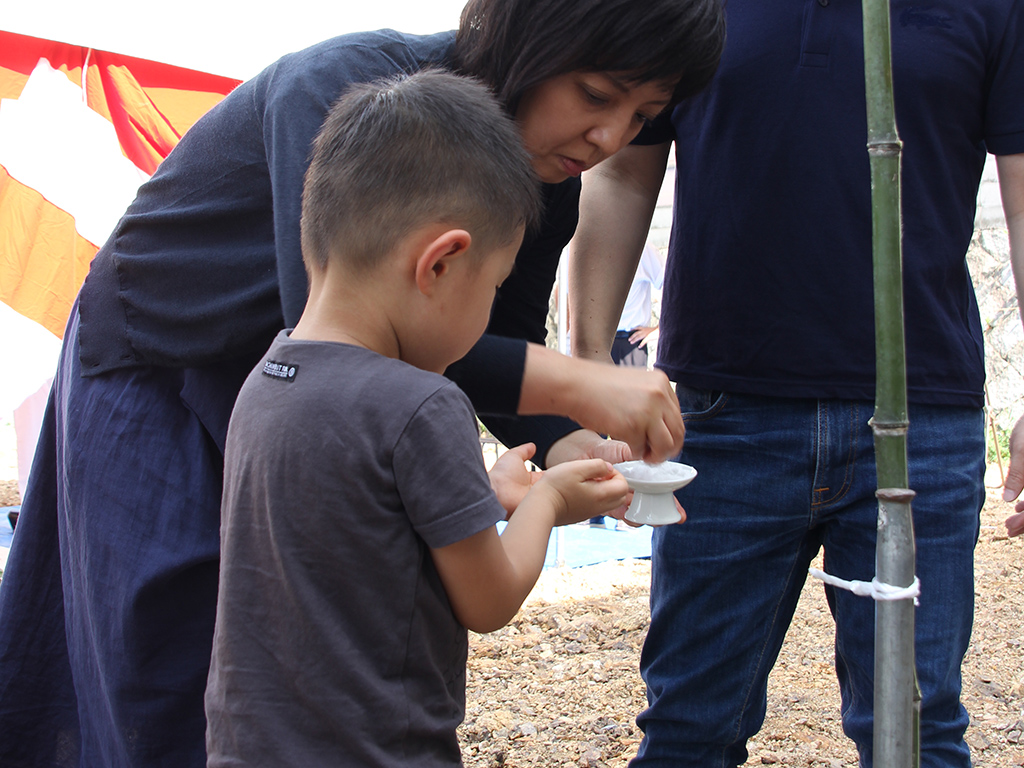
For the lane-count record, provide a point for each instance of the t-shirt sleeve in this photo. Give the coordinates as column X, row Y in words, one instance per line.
column 439, row 471
column 1004, row 111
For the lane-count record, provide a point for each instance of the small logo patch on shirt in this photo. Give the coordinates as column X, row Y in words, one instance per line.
column 283, row 371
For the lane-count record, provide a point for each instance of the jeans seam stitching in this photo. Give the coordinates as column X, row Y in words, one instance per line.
column 714, row 410
column 847, row 484
column 761, row 654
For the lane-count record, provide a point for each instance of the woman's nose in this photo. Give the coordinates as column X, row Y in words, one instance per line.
column 612, row 134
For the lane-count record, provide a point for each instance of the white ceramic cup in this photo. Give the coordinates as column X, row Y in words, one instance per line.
column 653, row 486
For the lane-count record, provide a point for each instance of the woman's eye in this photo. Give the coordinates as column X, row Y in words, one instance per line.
column 594, row 98
column 644, row 120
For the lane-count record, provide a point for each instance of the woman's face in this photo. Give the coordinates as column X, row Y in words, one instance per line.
column 572, row 122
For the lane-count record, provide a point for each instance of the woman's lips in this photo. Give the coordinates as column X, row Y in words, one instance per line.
column 572, row 167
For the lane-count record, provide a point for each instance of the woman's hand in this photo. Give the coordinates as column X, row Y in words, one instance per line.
column 633, row 405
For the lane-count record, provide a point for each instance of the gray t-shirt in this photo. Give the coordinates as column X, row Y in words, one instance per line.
column 335, row 642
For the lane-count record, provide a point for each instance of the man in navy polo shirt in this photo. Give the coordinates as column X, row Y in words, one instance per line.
column 767, row 328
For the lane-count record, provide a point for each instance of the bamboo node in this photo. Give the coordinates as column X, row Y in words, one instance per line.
column 884, row 148
column 888, row 428
column 895, row 495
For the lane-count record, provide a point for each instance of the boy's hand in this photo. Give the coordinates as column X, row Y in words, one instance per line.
column 510, row 478
column 583, row 489
column 585, row 444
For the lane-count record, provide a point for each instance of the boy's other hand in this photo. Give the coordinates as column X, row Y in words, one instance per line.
column 510, row 478
column 582, row 489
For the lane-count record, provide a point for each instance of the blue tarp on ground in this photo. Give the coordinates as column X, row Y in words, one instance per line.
column 5, row 527
column 6, row 534
column 573, row 546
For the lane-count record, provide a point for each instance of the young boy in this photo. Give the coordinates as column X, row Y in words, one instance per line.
column 358, row 528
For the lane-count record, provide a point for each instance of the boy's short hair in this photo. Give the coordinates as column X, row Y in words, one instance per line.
column 406, row 151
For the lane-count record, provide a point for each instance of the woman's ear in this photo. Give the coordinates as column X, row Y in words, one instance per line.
column 436, row 258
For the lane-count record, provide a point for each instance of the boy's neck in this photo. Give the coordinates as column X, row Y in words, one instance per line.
column 345, row 316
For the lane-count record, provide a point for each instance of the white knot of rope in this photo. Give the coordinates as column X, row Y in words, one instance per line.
column 874, row 589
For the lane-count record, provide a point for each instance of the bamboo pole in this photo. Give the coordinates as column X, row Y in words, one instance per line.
column 896, row 701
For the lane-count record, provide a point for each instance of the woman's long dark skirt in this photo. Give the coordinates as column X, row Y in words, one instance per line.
column 107, row 604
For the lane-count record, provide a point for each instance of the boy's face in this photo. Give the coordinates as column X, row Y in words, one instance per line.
column 466, row 309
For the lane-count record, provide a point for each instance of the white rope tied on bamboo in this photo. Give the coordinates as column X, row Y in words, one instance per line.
column 875, row 589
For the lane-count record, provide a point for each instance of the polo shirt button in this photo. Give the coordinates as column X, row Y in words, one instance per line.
column 823, row 3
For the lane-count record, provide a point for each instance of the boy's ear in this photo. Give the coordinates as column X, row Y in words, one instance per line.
column 437, row 256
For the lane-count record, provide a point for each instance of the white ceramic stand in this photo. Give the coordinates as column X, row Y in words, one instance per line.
column 653, row 502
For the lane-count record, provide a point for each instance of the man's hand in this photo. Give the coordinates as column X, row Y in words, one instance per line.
column 1015, row 479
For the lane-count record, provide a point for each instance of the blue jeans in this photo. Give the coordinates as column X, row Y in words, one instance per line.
column 779, row 479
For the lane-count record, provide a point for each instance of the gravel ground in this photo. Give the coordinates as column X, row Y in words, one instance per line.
column 559, row 686
column 9, row 493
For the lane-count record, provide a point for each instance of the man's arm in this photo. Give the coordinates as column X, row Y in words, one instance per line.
column 1011, row 187
column 616, row 206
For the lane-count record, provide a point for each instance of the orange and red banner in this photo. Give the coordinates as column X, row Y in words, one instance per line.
column 80, row 129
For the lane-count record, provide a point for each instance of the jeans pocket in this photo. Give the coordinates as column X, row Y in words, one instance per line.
column 699, row 404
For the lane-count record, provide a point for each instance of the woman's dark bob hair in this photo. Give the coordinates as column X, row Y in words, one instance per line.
column 513, row 45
